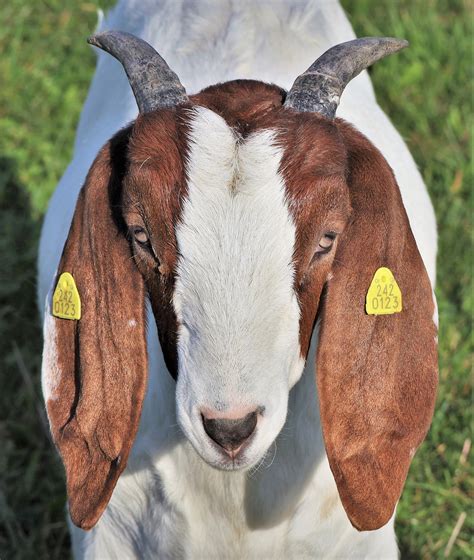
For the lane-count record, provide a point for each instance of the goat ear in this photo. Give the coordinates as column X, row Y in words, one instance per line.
column 376, row 375
column 94, row 369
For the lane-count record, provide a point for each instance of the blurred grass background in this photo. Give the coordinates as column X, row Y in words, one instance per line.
column 45, row 69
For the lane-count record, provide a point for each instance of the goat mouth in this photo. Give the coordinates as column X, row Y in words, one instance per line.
column 232, row 459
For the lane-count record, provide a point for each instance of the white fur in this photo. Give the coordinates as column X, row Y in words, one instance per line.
column 234, row 293
column 212, row 41
column 169, row 503
column 50, row 374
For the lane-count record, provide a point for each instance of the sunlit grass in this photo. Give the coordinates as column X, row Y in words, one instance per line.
column 45, row 68
column 427, row 92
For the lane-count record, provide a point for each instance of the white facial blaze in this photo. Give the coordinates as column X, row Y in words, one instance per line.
column 239, row 340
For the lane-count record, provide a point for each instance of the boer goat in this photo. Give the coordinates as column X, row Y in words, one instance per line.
column 248, row 224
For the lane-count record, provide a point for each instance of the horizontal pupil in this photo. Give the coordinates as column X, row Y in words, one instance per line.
column 139, row 234
column 325, row 245
column 326, row 242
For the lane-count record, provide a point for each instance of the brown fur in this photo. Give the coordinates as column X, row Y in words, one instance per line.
column 154, row 190
column 103, row 362
column 244, row 104
column 376, row 375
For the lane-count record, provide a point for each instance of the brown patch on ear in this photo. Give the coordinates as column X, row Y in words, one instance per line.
column 102, row 360
column 377, row 375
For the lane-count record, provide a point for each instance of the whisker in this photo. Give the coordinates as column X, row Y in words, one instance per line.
column 274, row 455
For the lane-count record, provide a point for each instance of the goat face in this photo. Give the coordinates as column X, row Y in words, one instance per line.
column 234, row 212
column 231, row 262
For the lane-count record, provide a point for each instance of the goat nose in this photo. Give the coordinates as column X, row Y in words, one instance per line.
column 230, row 434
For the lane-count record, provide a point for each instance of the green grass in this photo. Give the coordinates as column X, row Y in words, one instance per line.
column 45, row 68
column 426, row 90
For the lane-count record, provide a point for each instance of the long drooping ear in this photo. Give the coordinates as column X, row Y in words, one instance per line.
column 94, row 368
column 376, row 374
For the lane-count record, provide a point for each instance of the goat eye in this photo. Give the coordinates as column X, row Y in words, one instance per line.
column 325, row 243
column 140, row 235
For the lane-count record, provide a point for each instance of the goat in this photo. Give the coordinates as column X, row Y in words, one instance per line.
column 241, row 227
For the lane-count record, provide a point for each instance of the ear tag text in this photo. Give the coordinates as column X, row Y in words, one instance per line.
column 384, row 296
column 66, row 300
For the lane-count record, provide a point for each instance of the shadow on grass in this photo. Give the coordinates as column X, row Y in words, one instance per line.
column 31, row 487
column 406, row 553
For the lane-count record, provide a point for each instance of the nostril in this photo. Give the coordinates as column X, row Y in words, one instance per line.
column 230, row 433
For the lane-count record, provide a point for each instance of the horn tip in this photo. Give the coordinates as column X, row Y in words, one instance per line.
column 96, row 39
column 104, row 37
column 92, row 40
column 401, row 43
column 394, row 43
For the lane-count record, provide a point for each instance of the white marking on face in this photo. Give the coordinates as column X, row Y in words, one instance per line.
column 50, row 373
column 132, row 323
column 238, row 343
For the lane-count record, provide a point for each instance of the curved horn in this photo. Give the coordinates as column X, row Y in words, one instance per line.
column 319, row 89
column 153, row 82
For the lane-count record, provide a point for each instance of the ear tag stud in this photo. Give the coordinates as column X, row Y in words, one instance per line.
column 384, row 296
column 66, row 300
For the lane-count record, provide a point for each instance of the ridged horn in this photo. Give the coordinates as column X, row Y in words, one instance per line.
column 319, row 89
column 153, row 82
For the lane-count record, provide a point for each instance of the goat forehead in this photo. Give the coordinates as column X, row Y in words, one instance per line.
column 236, row 235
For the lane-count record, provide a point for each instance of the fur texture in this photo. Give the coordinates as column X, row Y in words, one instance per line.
column 237, row 166
column 234, row 297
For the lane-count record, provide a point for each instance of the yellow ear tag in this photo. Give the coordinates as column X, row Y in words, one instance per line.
column 66, row 300
column 384, row 296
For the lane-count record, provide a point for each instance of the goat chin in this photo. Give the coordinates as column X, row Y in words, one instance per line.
column 180, row 495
